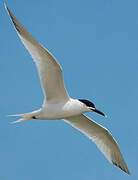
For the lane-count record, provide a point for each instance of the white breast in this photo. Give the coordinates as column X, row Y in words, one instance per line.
column 65, row 109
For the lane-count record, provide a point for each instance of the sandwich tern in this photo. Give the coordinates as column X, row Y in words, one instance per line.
column 57, row 103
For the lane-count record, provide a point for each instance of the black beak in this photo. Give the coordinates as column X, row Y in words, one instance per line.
column 99, row 112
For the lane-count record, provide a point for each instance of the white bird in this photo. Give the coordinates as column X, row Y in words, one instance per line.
column 57, row 103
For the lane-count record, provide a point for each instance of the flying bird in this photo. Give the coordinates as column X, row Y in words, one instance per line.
column 59, row 105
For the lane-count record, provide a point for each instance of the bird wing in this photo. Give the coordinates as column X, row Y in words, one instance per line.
column 101, row 137
column 49, row 69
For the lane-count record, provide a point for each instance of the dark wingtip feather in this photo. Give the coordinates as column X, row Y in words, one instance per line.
column 13, row 19
column 125, row 169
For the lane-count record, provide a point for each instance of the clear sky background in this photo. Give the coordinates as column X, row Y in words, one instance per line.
column 96, row 43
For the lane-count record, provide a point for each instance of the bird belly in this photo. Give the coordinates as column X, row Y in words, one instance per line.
column 54, row 114
column 60, row 111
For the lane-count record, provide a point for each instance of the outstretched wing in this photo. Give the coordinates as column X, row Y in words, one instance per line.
column 49, row 69
column 101, row 137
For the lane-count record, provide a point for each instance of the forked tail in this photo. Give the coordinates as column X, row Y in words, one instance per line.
column 24, row 117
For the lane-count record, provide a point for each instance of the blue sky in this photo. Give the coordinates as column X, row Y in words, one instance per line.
column 96, row 43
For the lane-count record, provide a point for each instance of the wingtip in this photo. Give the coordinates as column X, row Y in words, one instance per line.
column 15, row 22
column 128, row 172
column 6, row 7
column 125, row 169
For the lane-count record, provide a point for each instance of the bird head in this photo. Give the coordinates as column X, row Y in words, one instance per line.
column 91, row 106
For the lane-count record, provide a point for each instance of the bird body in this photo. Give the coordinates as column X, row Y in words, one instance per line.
column 72, row 107
column 65, row 109
column 58, row 104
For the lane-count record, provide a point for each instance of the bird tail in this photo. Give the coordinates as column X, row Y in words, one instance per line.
column 24, row 117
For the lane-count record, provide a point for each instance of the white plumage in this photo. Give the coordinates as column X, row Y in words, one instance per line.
column 57, row 103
